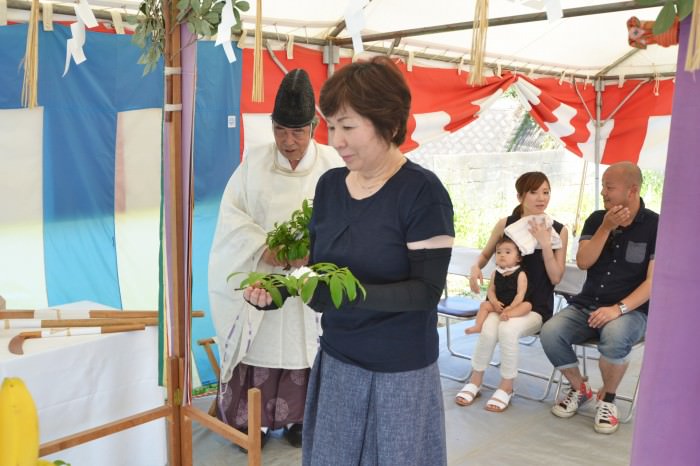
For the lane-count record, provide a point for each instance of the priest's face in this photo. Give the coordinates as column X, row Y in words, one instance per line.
column 292, row 142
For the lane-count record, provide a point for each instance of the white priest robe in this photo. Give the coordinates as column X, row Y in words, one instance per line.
column 263, row 190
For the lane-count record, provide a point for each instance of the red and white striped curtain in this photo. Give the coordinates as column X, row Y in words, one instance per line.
column 443, row 102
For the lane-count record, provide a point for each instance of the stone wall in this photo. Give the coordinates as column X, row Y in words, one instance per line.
column 480, row 174
column 482, row 186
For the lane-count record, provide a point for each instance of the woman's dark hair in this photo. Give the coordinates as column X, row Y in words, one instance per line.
column 376, row 90
column 530, row 181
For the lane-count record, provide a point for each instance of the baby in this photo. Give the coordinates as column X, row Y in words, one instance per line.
column 507, row 288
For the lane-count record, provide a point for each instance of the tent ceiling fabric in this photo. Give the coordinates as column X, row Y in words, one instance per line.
column 584, row 45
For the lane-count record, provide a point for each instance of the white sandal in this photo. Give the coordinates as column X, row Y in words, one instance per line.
column 468, row 394
column 500, row 400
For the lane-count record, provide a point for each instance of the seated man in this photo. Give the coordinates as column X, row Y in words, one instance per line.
column 617, row 248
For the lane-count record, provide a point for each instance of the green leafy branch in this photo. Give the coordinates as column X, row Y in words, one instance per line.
column 290, row 240
column 668, row 13
column 202, row 18
column 340, row 281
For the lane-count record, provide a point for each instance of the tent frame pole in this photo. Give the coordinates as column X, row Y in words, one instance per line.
column 599, row 86
column 346, row 43
column 504, row 21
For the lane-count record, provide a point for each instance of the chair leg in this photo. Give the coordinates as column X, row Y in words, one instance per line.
column 549, row 378
column 550, row 381
column 455, row 354
column 633, row 403
column 528, row 341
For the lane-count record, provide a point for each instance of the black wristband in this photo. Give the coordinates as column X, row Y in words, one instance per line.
column 272, row 306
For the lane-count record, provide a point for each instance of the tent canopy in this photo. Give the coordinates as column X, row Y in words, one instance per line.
column 585, row 44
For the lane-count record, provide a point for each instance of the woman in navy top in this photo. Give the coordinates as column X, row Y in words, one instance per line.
column 374, row 395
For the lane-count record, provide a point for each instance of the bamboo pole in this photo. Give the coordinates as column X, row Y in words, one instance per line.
column 478, row 50
column 258, row 82
column 31, row 59
column 692, row 58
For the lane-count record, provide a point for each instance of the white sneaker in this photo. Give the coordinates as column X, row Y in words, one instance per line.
column 575, row 398
column 606, row 421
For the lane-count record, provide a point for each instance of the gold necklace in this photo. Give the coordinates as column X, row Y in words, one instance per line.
column 378, row 184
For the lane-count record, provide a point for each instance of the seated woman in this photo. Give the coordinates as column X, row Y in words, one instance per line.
column 545, row 267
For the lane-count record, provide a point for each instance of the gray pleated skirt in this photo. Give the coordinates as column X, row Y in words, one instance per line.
column 358, row 417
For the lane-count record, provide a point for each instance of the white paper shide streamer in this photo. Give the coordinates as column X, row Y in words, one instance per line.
column 117, row 21
column 47, row 16
column 74, row 45
column 553, row 7
column 223, row 33
column 85, row 14
column 355, row 22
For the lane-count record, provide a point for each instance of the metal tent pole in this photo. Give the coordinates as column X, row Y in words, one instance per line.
column 598, row 111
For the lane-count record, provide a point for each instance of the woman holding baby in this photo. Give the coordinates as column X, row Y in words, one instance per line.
column 542, row 242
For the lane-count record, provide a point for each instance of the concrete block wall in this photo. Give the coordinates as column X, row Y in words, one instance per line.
column 482, row 186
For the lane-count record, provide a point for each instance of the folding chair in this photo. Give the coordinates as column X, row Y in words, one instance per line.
column 460, row 308
column 457, row 308
column 572, row 284
column 631, row 399
column 560, row 299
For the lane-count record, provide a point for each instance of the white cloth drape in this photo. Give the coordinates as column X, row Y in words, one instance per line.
column 519, row 232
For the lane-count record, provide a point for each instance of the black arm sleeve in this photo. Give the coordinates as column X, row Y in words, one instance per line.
column 421, row 292
column 272, row 306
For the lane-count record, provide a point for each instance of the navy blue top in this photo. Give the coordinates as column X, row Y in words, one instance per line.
column 540, row 289
column 369, row 236
column 623, row 262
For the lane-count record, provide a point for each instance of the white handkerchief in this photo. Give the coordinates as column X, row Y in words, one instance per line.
column 519, row 232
